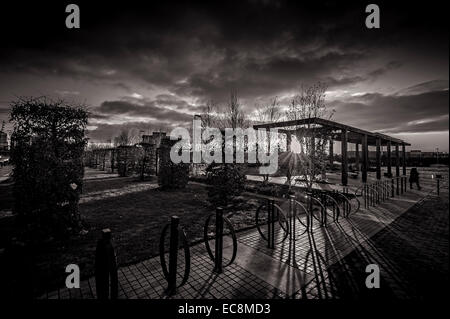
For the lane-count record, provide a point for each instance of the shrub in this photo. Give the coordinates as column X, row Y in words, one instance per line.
column 47, row 147
column 227, row 182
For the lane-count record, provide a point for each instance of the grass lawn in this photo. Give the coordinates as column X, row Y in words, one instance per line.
column 135, row 218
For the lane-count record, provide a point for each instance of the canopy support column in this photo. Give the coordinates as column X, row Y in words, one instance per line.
column 365, row 152
column 344, row 166
column 378, row 158
column 389, row 159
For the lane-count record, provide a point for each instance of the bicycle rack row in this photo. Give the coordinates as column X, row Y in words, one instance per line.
column 106, row 277
column 315, row 207
column 373, row 194
column 217, row 257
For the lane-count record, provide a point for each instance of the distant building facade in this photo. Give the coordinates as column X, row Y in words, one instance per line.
column 413, row 157
column 155, row 138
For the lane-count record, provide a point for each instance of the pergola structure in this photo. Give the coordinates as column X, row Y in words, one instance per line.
column 349, row 134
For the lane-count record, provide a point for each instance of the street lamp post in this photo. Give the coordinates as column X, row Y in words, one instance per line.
column 437, row 155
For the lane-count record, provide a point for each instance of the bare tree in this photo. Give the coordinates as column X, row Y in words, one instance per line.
column 127, row 137
column 122, row 139
column 231, row 117
column 235, row 116
column 212, row 117
column 134, row 136
column 313, row 138
column 208, row 115
column 270, row 112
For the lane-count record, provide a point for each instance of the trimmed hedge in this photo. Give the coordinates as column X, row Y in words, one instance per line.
column 47, row 146
column 171, row 175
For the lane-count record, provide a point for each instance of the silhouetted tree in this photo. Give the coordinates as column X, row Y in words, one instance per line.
column 313, row 138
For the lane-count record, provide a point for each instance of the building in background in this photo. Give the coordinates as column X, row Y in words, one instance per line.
column 413, row 158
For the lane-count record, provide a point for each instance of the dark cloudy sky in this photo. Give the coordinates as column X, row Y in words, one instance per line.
column 152, row 66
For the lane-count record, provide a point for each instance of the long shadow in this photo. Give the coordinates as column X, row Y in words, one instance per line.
column 365, row 256
column 205, row 288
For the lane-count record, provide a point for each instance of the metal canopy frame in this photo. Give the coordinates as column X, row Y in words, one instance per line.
column 349, row 134
column 354, row 133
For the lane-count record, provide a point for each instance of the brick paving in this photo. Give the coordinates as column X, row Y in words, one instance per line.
column 412, row 253
column 329, row 261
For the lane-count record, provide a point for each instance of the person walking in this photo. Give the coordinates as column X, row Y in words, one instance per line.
column 414, row 178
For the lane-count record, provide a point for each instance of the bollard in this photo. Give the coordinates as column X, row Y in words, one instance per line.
column 404, row 184
column 397, row 190
column 374, row 192
column 171, row 274
column 323, row 213
column 293, row 212
column 392, row 188
column 310, row 207
column 438, row 186
column 366, row 187
column 106, row 280
column 365, row 196
column 405, row 180
column 271, row 224
column 173, row 256
column 334, row 211
column 401, row 185
column 217, row 257
column 379, row 199
column 388, row 189
column 345, row 207
column 270, row 207
column 219, row 241
column 371, row 195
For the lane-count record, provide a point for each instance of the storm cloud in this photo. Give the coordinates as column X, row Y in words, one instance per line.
column 159, row 64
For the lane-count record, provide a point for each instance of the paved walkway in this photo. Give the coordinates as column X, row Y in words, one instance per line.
column 104, row 194
column 5, row 172
column 306, row 268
